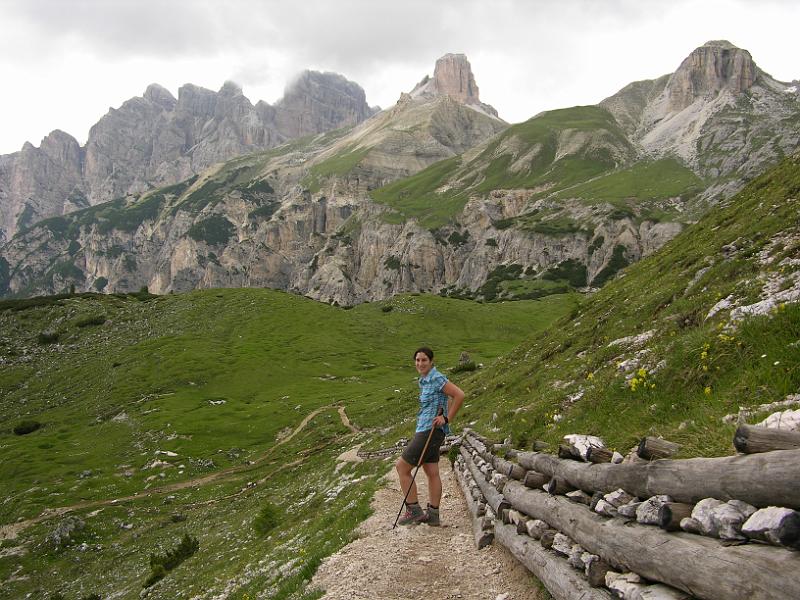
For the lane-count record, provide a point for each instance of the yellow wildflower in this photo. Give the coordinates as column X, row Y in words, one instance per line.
column 707, row 391
column 641, row 373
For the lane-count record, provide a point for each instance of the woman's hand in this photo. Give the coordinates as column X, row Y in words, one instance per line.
column 438, row 421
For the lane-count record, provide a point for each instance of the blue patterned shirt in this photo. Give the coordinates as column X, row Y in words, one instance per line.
column 431, row 397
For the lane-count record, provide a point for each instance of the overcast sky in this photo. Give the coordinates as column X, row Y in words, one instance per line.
column 65, row 62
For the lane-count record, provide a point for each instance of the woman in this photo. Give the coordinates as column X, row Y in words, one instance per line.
column 434, row 390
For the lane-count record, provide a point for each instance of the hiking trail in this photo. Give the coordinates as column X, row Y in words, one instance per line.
column 436, row 563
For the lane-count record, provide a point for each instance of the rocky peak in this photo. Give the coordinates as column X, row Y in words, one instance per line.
column 316, row 102
column 452, row 76
column 230, row 88
column 60, row 146
column 159, row 95
column 709, row 69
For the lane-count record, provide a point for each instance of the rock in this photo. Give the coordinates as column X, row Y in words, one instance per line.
column 629, row 510
column 788, row 420
column 605, row 508
column 63, row 533
column 647, row 513
column 582, row 443
column 703, row 514
column 774, row 525
column 619, row 498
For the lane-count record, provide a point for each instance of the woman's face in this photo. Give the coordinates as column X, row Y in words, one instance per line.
column 423, row 363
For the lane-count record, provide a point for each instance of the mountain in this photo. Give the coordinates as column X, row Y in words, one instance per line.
column 157, row 140
column 438, row 194
column 152, row 417
column 722, row 115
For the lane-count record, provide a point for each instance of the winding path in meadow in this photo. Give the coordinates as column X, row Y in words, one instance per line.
column 12, row 530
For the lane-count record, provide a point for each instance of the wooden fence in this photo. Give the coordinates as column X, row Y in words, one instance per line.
column 707, row 528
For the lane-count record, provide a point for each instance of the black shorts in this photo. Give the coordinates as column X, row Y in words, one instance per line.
column 417, row 443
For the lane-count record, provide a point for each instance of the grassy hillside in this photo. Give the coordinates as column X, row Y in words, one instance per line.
column 182, row 405
column 693, row 365
column 552, row 151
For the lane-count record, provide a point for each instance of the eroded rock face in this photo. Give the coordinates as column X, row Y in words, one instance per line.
column 452, row 76
column 318, row 102
column 156, row 140
column 711, row 68
column 718, row 112
column 36, row 183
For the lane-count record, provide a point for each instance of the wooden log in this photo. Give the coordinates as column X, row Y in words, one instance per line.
column 536, row 480
column 599, row 455
column 563, row 582
column 483, row 532
column 596, row 571
column 653, row 448
column 559, row 486
column 505, row 516
column 509, row 469
column 493, row 497
column 671, row 513
column 764, row 479
column 751, row 439
column 697, row 565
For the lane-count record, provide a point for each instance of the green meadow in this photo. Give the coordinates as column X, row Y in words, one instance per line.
column 181, row 407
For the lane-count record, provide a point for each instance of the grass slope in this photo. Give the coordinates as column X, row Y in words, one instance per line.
column 582, row 376
column 217, row 378
column 438, row 193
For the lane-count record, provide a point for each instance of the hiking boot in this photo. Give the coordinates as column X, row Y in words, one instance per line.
column 414, row 514
column 432, row 516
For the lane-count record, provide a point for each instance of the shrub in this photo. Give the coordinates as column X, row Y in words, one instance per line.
column 26, row 427
column 92, row 597
column 216, row 230
column 100, row 284
column 452, row 454
column 48, row 337
column 463, row 367
column 392, row 263
column 267, row 519
column 90, row 320
column 160, row 564
column 387, row 308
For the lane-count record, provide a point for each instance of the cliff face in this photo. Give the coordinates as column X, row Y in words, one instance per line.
column 563, row 200
column 719, row 112
column 156, row 140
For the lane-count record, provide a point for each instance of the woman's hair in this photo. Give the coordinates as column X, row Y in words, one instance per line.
column 426, row 351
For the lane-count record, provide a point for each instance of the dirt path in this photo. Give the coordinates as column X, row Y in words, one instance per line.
column 428, row 563
column 12, row 530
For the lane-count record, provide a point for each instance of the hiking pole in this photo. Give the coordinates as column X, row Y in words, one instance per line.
column 419, row 464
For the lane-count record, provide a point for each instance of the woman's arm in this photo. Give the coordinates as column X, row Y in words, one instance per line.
column 457, row 399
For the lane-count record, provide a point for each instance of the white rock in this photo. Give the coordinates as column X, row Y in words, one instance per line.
column 647, row 511
column 605, row 508
column 619, row 498
column 582, row 443
column 617, row 458
column 562, row 544
column 788, row 420
column 703, row 513
column 763, row 524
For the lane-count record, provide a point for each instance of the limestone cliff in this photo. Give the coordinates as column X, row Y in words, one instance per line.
column 157, row 140
column 718, row 112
